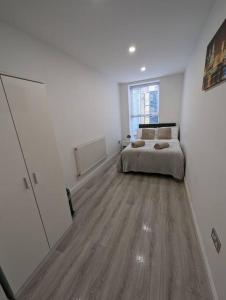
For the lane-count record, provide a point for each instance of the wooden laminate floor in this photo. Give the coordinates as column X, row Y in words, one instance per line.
column 132, row 238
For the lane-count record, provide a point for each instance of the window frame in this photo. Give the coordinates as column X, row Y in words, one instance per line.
column 130, row 87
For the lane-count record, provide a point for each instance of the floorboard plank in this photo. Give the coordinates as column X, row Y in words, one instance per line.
column 132, row 238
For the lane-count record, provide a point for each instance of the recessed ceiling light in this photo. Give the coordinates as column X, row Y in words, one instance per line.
column 132, row 49
column 143, row 69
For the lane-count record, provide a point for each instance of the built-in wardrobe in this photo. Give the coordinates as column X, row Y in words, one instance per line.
column 34, row 211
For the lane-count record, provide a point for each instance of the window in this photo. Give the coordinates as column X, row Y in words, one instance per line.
column 144, row 105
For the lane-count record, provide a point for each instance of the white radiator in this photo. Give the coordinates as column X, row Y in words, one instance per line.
column 90, row 154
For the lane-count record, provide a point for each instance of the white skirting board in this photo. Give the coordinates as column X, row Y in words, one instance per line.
column 209, row 273
column 81, row 182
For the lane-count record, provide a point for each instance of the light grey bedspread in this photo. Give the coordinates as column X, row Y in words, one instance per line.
column 168, row 161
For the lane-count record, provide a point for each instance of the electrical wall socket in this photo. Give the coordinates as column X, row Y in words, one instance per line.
column 216, row 240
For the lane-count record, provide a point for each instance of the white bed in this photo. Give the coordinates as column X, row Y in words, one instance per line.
column 168, row 161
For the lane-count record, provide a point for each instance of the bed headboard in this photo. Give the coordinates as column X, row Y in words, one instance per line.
column 157, row 125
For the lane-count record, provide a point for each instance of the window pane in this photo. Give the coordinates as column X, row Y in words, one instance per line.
column 134, row 125
column 144, row 105
column 141, row 120
column 144, row 89
column 135, row 102
column 147, row 99
column 154, row 101
column 147, row 109
column 147, row 120
column 154, row 119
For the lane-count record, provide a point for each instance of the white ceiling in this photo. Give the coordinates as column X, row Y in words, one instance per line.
column 99, row 32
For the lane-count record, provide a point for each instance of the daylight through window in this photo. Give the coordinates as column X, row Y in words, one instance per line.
column 144, row 105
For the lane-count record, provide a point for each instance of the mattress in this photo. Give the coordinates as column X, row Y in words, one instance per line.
column 168, row 161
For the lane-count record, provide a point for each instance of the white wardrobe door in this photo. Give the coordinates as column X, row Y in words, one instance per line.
column 29, row 108
column 23, row 243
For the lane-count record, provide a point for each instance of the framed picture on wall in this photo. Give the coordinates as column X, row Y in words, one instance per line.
column 215, row 66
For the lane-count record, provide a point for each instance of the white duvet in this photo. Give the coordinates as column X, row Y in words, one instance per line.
column 168, row 161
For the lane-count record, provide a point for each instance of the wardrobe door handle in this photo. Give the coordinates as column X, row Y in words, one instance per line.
column 26, row 183
column 35, row 178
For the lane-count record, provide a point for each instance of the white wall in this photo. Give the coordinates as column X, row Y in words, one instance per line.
column 83, row 103
column 170, row 100
column 203, row 138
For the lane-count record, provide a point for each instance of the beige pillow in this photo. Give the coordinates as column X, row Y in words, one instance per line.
column 148, row 134
column 138, row 144
column 164, row 133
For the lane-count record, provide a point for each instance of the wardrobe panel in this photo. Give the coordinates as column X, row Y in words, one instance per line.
column 28, row 103
column 23, row 243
